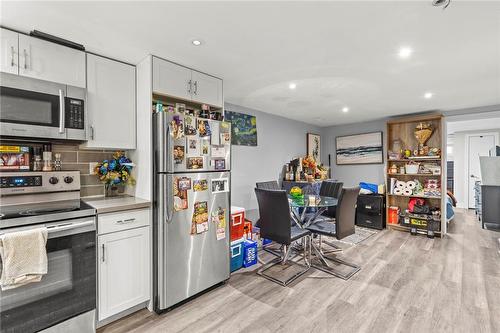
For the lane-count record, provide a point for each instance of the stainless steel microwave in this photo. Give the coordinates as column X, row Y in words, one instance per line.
column 34, row 108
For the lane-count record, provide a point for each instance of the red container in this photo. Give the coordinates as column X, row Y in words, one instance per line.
column 237, row 224
column 247, row 230
column 393, row 215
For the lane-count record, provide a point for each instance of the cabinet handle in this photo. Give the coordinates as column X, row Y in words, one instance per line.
column 190, row 86
column 25, row 59
column 12, row 52
column 196, row 87
column 92, row 132
column 103, row 258
column 61, row 111
column 125, row 221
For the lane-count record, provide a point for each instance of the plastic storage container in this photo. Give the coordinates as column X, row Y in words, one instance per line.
column 237, row 223
column 249, row 253
column 236, row 253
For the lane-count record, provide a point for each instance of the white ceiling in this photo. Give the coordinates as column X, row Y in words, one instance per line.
column 338, row 53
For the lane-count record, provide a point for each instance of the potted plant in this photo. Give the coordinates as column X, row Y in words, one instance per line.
column 115, row 173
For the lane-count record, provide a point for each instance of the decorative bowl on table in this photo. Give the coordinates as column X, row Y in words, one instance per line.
column 296, row 194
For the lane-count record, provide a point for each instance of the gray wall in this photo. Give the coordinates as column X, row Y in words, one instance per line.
column 351, row 175
column 278, row 141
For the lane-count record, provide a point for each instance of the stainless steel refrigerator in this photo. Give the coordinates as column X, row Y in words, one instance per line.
column 192, row 158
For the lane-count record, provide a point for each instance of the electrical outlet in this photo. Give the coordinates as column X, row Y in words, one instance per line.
column 92, row 167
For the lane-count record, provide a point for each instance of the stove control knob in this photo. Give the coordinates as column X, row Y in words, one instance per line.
column 53, row 180
column 68, row 179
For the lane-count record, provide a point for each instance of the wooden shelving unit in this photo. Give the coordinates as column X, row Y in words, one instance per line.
column 402, row 129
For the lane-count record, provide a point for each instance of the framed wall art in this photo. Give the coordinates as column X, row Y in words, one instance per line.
column 314, row 146
column 364, row 148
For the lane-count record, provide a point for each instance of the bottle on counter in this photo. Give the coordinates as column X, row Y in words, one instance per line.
column 57, row 162
column 47, row 158
column 37, row 159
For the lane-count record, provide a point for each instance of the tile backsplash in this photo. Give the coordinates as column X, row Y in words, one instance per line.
column 74, row 158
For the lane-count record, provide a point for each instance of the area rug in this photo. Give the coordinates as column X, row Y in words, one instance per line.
column 361, row 234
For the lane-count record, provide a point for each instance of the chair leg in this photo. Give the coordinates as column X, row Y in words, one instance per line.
column 282, row 260
column 325, row 267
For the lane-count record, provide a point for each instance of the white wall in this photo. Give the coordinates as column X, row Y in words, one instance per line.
column 351, row 175
column 279, row 140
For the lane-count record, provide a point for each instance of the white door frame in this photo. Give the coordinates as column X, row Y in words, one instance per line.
column 467, row 175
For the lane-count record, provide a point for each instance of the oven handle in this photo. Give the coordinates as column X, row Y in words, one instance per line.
column 60, row 229
column 62, row 114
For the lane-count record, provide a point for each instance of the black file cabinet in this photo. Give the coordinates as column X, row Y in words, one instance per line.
column 370, row 211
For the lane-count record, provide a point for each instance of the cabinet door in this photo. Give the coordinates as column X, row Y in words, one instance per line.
column 171, row 79
column 207, row 89
column 48, row 61
column 9, row 52
column 124, row 265
column 110, row 104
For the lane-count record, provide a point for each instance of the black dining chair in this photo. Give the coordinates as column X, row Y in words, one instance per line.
column 269, row 185
column 344, row 226
column 332, row 189
column 274, row 211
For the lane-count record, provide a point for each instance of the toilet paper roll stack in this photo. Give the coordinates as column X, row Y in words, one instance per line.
column 404, row 188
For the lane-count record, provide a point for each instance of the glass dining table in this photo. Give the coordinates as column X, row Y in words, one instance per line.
column 307, row 209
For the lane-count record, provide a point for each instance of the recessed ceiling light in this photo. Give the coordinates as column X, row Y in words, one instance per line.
column 196, row 42
column 428, row 95
column 345, row 109
column 405, row 52
column 292, row 85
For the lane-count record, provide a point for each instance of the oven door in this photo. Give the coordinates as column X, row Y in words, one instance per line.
column 31, row 108
column 69, row 288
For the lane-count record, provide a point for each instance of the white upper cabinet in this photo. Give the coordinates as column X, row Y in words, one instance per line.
column 9, row 58
column 110, row 104
column 207, row 89
column 181, row 82
column 171, row 79
column 48, row 61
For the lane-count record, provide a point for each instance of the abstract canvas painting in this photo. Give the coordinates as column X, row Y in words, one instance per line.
column 360, row 149
column 243, row 128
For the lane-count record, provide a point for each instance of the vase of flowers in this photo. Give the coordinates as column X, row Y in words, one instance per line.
column 115, row 173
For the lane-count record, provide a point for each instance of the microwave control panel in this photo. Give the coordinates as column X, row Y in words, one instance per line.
column 75, row 116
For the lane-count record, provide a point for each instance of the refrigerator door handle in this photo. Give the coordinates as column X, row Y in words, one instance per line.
column 170, row 148
column 169, row 200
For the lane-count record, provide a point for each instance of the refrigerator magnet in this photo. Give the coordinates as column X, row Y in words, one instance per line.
column 220, row 164
column 205, row 147
column 179, row 154
column 184, row 183
column 219, row 219
column 177, row 127
column 218, row 152
column 215, row 136
column 200, row 217
column 194, row 163
column 204, row 128
column 192, row 147
column 219, row 185
column 225, row 138
column 189, row 126
column 200, row 185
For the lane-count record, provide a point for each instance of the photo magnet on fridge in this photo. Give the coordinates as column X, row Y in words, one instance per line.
column 220, row 185
column 179, row 154
column 204, row 128
column 200, row 185
column 184, row 183
column 194, row 162
column 177, row 127
column 220, row 164
column 192, row 147
column 180, row 197
column 200, row 218
column 205, row 147
column 189, row 126
column 219, row 219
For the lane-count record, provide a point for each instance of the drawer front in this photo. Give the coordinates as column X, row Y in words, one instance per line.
column 370, row 204
column 112, row 222
column 370, row 221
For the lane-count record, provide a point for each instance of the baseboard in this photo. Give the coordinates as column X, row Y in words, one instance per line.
column 122, row 314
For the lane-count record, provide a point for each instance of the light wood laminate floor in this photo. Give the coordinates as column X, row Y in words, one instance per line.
column 406, row 284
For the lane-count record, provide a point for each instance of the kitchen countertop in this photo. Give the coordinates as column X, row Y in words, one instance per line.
column 116, row 204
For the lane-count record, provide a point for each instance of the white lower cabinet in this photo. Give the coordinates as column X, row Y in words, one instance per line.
column 124, row 267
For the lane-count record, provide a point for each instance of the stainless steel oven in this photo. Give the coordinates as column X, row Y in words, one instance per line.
column 65, row 298
column 41, row 109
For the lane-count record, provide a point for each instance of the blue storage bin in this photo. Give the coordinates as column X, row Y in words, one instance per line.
column 236, row 253
column 249, row 253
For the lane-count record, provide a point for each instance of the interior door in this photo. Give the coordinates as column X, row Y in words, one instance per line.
column 479, row 145
column 48, row 61
column 207, row 89
column 9, row 60
column 196, row 258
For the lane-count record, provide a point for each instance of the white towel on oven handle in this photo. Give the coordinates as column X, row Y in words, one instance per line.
column 23, row 256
